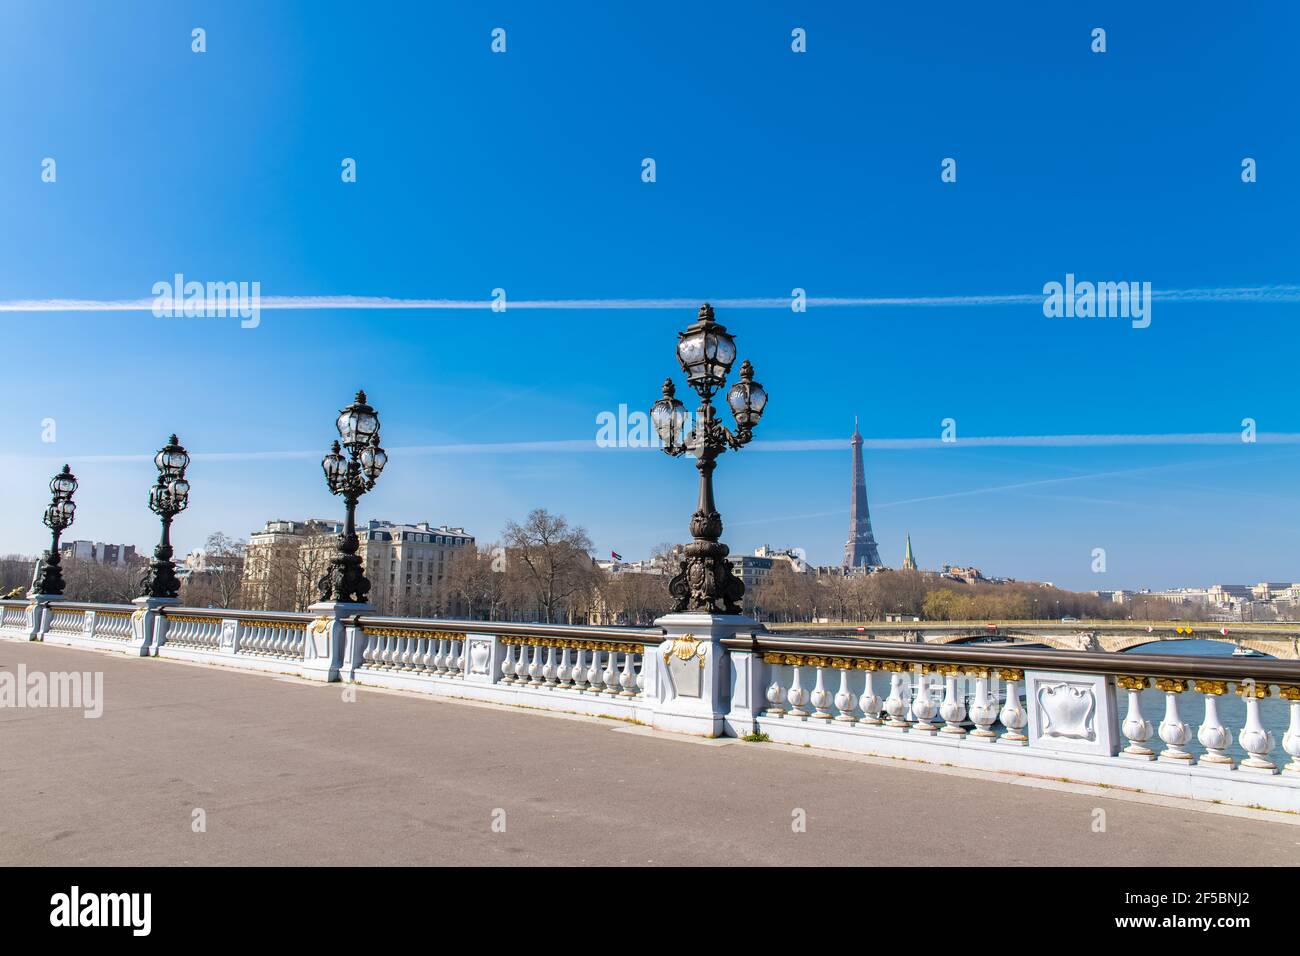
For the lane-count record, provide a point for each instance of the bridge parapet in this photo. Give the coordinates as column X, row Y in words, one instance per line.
column 1000, row 708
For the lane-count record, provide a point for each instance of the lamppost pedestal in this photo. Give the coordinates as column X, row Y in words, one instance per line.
column 692, row 683
column 333, row 644
column 146, row 624
column 38, row 609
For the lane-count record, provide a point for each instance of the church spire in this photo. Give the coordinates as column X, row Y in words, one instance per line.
column 909, row 561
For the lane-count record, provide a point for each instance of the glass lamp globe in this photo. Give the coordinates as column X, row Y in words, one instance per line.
column 373, row 459
column 172, row 460
column 706, row 351
column 358, row 422
column 747, row 398
column 668, row 415
column 334, row 465
column 63, row 484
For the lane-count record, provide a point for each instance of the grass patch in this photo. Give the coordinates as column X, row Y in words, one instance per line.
column 757, row 737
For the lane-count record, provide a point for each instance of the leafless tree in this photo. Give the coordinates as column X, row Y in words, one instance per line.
column 553, row 562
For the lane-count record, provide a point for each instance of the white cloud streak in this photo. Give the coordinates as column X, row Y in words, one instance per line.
column 1268, row 293
column 589, row 446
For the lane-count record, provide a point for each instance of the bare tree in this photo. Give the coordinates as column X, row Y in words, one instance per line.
column 16, row 572
column 554, row 561
column 218, row 583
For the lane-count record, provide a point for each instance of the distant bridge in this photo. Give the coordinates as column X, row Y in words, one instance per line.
column 1282, row 642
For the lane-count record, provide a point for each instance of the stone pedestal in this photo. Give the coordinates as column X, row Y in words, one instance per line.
column 148, row 627
column 692, row 680
column 38, row 611
column 1072, row 713
column 332, row 648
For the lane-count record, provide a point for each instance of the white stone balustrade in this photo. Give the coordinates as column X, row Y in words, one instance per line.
column 972, row 714
column 1060, row 714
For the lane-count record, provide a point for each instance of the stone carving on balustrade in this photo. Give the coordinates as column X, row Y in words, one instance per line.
column 480, row 651
column 1071, row 712
column 1067, row 710
column 686, row 657
column 1087, row 641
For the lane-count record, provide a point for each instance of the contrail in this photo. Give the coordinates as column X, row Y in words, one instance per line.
column 1267, row 293
column 589, row 446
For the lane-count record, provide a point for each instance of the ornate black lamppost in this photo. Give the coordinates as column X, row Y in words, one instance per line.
column 351, row 476
column 706, row 350
column 58, row 518
column 167, row 498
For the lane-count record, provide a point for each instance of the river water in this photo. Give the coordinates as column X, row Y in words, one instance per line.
column 1274, row 712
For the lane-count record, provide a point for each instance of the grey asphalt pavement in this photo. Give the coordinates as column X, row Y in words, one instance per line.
column 287, row 772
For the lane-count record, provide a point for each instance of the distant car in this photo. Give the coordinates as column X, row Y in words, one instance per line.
column 1069, row 620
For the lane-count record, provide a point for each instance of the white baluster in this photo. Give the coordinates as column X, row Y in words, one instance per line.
column 895, row 703
column 1135, row 727
column 1013, row 714
column 1214, row 737
column 1291, row 739
column 537, row 668
column 550, row 672
column 1254, row 739
column 594, row 679
column 1172, row 730
column 869, row 703
column 953, row 708
column 983, row 709
column 564, row 673
column 508, row 665
column 426, row 654
column 580, row 669
column 457, row 657
column 628, row 680
column 368, row 651
column 845, row 700
column 797, row 696
column 441, row 663
column 923, row 706
column 403, row 661
column 610, row 674
column 775, row 692
column 821, row 698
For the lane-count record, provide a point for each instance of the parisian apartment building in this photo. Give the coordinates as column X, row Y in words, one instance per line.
column 407, row 564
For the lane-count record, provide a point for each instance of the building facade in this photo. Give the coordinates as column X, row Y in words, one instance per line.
column 99, row 551
column 408, row 564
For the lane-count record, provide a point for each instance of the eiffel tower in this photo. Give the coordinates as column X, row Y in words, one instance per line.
column 861, row 550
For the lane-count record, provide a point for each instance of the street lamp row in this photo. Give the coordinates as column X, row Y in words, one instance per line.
column 350, row 475
column 705, row 580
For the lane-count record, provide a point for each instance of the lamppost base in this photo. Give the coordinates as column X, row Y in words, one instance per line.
column 38, row 614
column 332, row 650
column 147, row 625
column 689, row 677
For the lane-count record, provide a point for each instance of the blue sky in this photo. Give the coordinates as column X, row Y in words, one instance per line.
column 775, row 170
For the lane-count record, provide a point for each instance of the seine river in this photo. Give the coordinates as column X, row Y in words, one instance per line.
column 1275, row 713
